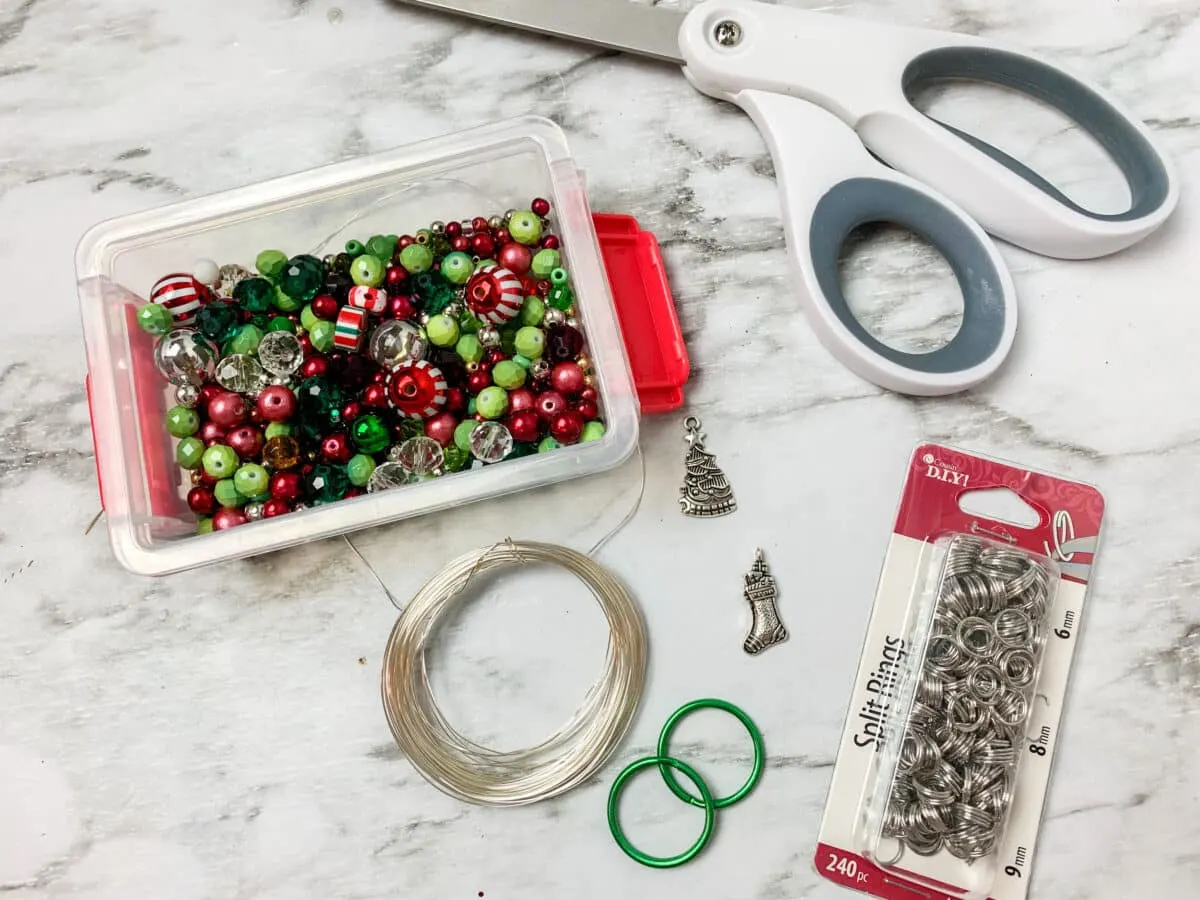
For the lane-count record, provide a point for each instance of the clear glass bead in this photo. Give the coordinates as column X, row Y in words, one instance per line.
column 395, row 343
column 491, row 442
column 386, row 476
column 280, row 353
column 241, row 373
column 420, row 455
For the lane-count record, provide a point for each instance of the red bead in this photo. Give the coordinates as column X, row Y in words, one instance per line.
column 306, row 345
column 273, row 508
column 351, row 411
column 588, row 409
column 567, row 378
column 246, row 440
column 483, row 245
column 207, row 393
column 207, row 479
column 521, row 398
column 515, row 257
column 380, row 377
column 277, row 403
column 477, row 381
column 406, row 240
column 494, row 294
column 525, row 425
column 588, row 394
column 337, row 448
column 256, row 416
column 567, row 426
column 211, row 433
column 287, row 486
column 201, row 501
column 441, row 428
column 540, row 207
column 529, row 285
column 314, row 367
column 493, row 356
column 395, row 275
column 375, row 396
column 402, row 307
column 551, row 242
column 479, row 223
column 453, row 230
column 353, row 492
column 550, row 404
column 325, row 307
column 228, row 518
column 455, row 400
column 227, row 409
column 543, row 288
column 356, row 371
column 460, row 243
column 417, row 390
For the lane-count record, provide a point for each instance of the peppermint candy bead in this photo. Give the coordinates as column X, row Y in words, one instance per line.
column 495, row 294
column 372, row 299
column 181, row 295
column 349, row 329
column 417, row 390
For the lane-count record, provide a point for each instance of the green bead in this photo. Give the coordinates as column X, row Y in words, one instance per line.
column 545, row 262
column 154, row 319
column 227, row 493
column 367, row 270
column 220, row 461
column 245, row 341
column 302, row 278
column 308, row 318
column 182, row 421
column 360, row 469
column 280, row 429
column 326, row 484
column 218, row 321
column 533, row 311
column 492, row 402
column 321, row 335
column 262, row 323
column 254, row 294
column 454, row 458
column 469, row 349
column 508, row 375
column 523, row 361
column 369, row 434
column 204, row 526
column 531, row 342
column 355, row 248
column 484, row 263
column 457, row 268
column 508, row 340
column 271, row 263
column 562, row 297
column 525, row 227
column 462, row 435
column 416, row 258
column 592, row 431
column 558, row 276
column 442, row 331
column 284, row 303
column 189, row 453
column 471, row 406
column 251, row 480
column 281, row 323
column 548, row 443
column 382, row 246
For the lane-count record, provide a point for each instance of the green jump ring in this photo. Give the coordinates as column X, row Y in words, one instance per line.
column 664, row 740
column 614, row 825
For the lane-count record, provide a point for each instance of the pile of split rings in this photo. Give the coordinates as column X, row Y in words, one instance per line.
column 667, row 766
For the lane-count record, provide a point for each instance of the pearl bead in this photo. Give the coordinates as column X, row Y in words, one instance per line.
column 207, row 272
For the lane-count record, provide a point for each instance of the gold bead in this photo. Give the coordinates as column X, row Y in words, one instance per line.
column 423, row 236
column 589, row 380
column 197, row 476
column 584, row 362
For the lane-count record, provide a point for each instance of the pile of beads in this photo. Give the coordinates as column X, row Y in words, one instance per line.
column 404, row 358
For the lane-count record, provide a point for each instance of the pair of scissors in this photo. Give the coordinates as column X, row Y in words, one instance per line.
column 831, row 97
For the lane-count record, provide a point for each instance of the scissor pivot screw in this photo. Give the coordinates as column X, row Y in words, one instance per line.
column 728, row 33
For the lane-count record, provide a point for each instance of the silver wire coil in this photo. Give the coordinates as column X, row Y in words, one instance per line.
column 953, row 783
column 476, row 774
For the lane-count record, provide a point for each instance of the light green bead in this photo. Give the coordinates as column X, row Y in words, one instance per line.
column 492, row 402
column 246, row 340
column 525, row 227
column 382, row 246
column 284, row 303
column 442, row 331
column 271, row 263
column 154, row 319
column 359, row 469
column 548, row 443
column 182, row 421
column 533, row 311
column 251, row 480
column 457, row 268
column 280, row 429
column 545, row 262
column 531, row 342
column 483, row 263
column 592, row 431
column 321, row 335
column 416, row 258
column 308, row 318
column 462, row 434
column 367, row 270
column 220, row 461
column 204, row 526
column 227, row 493
column 190, row 453
column 508, row 375
column 469, row 349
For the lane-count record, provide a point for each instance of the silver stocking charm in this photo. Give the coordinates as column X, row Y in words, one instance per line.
column 766, row 630
column 706, row 491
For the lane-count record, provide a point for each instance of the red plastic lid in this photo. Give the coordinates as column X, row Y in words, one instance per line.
column 646, row 310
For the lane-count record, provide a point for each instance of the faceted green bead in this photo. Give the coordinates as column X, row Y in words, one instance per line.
column 245, row 341
column 254, row 294
column 262, row 323
column 308, row 318
column 442, row 331
column 562, row 297
column 284, row 303
column 360, row 469
column 321, row 335
column 508, row 375
column 416, row 258
column 218, row 321
column 457, row 268
column 369, row 434
column 227, row 493
column 522, row 449
column 471, row 406
column 155, row 319
column 280, row 429
column 523, row 361
column 533, row 311
column 492, row 402
column 382, row 246
column 302, row 278
column 271, row 263
column 469, row 349
column 182, row 421
column 462, row 435
column 525, row 227
column 326, row 484
column 355, row 248
column 368, row 270
column 204, row 525
column 189, row 453
column 508, row 340
column 251, row 479
column 220, row 461
column 548, row 443
column 454, row 458
column 410, row 428
column 545, row 262
column 281, row 323
column 592, row 431
column 468, row 324
column 531, row 342
column 319, row 406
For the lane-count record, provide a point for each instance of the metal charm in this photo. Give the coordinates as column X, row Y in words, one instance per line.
column 766, row 628
column 706, row 492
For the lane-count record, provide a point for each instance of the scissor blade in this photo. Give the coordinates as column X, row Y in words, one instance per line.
column 613, row 24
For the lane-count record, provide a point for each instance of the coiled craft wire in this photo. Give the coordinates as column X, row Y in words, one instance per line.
column 954, row 776
column 476, row 774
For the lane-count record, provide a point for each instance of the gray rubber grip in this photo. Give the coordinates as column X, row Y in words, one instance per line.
column 859, row 201
column 1138, row 161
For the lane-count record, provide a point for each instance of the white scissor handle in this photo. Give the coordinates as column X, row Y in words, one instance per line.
column 865, row 74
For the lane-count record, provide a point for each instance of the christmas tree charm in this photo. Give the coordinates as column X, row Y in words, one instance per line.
column 706, row 492
column 766, row 629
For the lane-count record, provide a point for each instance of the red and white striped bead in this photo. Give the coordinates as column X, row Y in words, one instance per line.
column 372, row 299
column 495, row 294
column 182, row 295
column 350, row 328
column 417, row 390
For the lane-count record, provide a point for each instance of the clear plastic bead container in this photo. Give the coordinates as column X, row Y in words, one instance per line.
column 483, row 171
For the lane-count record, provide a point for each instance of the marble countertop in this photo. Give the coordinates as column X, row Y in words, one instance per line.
column 218, row 734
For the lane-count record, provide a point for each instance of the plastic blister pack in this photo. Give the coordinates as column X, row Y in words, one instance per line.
column 946, row 752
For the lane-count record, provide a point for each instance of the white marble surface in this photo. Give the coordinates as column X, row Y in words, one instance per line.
column 219, row 734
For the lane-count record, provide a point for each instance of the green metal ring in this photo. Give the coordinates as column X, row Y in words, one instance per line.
column 664, row 739
column 614, row 825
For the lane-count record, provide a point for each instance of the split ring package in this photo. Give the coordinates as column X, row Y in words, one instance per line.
column 947, row 747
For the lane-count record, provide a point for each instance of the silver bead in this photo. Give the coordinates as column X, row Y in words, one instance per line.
column 495, row 222
column 299, row 507
column 254, row 511
column 437, row 229
column 281, row 381
column 489, row 336
column 424, row 318
column 187, row 395
column 454, row 310
column 468, row 227
column 573, row 322
column 553, row 317
column 508, row 214
column 540, row 368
